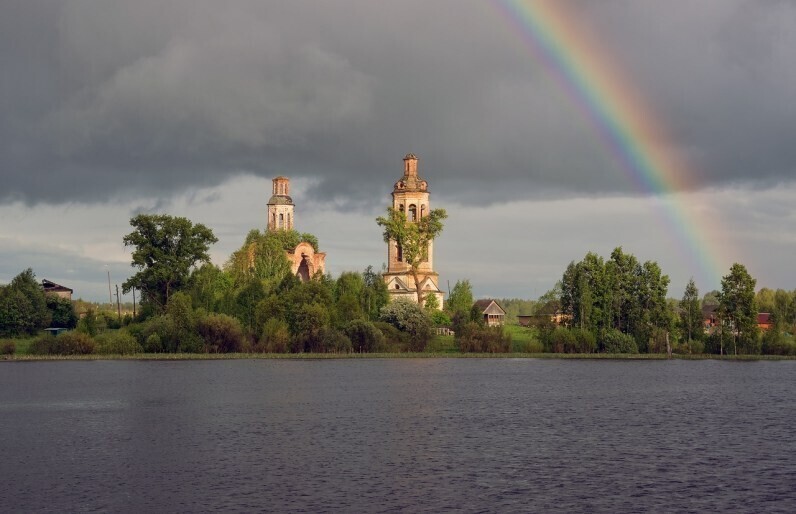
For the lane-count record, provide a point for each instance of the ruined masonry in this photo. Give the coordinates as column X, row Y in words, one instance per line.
column 304, row 260
column 410, row 195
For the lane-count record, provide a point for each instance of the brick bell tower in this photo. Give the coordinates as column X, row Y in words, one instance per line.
column 410, row 195
column 280, row 206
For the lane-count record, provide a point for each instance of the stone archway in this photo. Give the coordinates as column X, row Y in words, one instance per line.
column 304, row 272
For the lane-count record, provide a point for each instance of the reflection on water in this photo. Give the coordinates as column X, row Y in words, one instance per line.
column 408, row 435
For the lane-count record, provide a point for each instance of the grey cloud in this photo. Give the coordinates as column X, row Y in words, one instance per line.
column 146, row 99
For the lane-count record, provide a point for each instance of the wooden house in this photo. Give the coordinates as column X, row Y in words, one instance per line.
column 494, row 314
column 52, row 288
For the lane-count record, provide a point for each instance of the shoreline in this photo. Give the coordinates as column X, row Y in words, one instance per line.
column 408, row 355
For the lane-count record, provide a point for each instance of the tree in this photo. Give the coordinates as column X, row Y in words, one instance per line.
column 166, row 250
column 413, row 238
column 738, row 308
column 23, row 306
column 432, row 304
column 410, row 318
column 62, row 311
column 690, row 312
column 461, row 298
column 374, row 294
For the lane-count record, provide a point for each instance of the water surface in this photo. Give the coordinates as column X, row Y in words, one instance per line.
column 395, row 435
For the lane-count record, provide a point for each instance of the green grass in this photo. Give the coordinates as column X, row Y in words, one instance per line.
column 442, row 345
column 523, row 339
column 424, row 355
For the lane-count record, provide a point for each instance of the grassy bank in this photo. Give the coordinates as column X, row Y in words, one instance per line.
column 444, row 353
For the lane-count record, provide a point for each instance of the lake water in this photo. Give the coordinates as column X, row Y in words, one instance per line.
column 398, row 435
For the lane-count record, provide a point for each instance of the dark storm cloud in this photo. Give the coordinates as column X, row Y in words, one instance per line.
column 142, row 99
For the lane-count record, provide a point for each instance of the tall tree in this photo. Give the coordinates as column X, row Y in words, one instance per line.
column 738, row 308
column 374, row 294
column 23, row 306
column 413, row 238
column 690, row 312
column 166, row 250
column 461, row 298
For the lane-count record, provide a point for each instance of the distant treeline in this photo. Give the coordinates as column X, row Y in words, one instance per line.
column 254, row 303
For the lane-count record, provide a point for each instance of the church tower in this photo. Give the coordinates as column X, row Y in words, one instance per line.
column 410, row 195
column 305, row 261
column 280, row 206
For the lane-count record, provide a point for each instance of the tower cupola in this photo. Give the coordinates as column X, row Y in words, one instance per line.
column 280, row 205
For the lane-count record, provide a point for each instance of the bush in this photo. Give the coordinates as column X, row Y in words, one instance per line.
column 221, row 333
column 409, row 317
column 561, row 340
column 585, row 341
column 70, row 343
column 365, row 337
column 153, row 344
column 776, row 343
column 8, row 347
column 335, row 341
column 162, row 327
column 614, row 341
column 275, row 337
column 326, row 339
column 117, row 343
column 394, row 339
column 530, row 346
column 440, row 318
column 473, row 337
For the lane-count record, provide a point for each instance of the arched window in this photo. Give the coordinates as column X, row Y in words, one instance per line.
column 273, row 221
column 400, row 252
column 422, row 211
column 412, row 216
column 281, row 220
column 288, row 221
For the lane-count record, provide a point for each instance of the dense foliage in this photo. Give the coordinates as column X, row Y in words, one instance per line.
column 255, row 304
column 413, row 238
column 166, row 249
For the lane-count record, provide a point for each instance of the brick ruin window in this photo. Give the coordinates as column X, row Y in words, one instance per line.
column 281, row 221
column 412, row 212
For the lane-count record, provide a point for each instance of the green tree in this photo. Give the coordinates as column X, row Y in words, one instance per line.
column 738, row 308
column 374, row 294
column 413, row 238
column 461, row 298
column 409, row 317
column 432, row 303
column 691, row 313
column 262, row 257
column 209, row 286
column 166, row 249
column 23, row 306
column 62, row 311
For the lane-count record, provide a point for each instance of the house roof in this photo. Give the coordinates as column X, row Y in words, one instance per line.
column 50, row 286
column 763, row 318
column 485, row 303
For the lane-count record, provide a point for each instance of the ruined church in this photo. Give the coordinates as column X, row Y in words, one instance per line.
column 410, row 195
column 304, row 260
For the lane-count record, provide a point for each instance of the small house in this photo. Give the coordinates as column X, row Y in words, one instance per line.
column 494, row 315
column 764, row 321
column 58, row 290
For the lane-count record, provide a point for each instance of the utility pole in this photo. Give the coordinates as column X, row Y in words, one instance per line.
column 118, row 304
column 133, row 302
column 110, row 295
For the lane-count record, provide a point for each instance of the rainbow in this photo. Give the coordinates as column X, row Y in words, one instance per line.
column 624, row 122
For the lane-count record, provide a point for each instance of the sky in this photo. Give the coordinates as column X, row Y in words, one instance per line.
column 190, row 107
